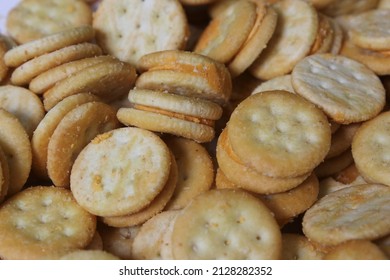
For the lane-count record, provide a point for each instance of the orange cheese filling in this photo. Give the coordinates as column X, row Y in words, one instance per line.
column 175, row 115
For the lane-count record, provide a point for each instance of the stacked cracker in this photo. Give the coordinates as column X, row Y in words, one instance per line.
column 284, row 156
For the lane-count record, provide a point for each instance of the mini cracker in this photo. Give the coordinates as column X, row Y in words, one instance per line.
column 109, row 81
column 370, row 149
column 269, row 131
column 346, row 90
column 129, row 29
column 22, row 53
column 298, row 247
column 24, row 104
column 292, row 40
column 196, row 171
column 16, row 145
column 120, row 172
column 226, row 33
column 76, row 129
column 356, row 250
column 344, row 7
column 32, row 68
column 357, row 212
column 45, row 129
column 33, row 19
column 225, row 224
column 49, row 78
column 43, row 223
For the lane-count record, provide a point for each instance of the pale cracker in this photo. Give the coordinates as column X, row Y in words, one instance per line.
column 195, row 168
column 268, row 131
column 292, row 40
column 298, row 247
column 226, row 224
column 325, row 35
column 49, row 78
column 384, row 4
column 153, row 208
column 226, row 33
column 333, row 165
column 346, row 90
column 356, row 250
column 344, row 7
column 16, row 145
column 24, row 104
column 44, row 130
column 278, row 83
column 329, row 185
column 370, row 149
column 71, row 36
column 109, row 182
column 76, row 129
column 148, row 25
column 342, row 139
column 3, row 66
column 43, row 223
column 4, row 175
column 109, row 81
column 33, row 19
column 357, row 212
column 23, row 74
column 337, row 38
column 119, row 241
column 148, row 241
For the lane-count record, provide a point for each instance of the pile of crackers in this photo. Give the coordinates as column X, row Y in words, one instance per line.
column 195, row 129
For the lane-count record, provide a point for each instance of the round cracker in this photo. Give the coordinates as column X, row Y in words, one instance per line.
column 4, row 175
column 3, row 66
column 344, row 7
column 43, row 223
column 356, row 250
column 195, row 168
column 277, row 83
column 33, row 19
column 75, row 130
column 269, row 131
column 342, row 139
column 120, row 172
column 109, row 81
column 298, row 247
column 357, row 212
column 71, row 36
column 16, row 145
column 370, row 149
column 292, row 40
column 227, row 32
column 149, row 25
column 45, row 129
column 23, row 74
column 89, row 255
column 226, row 224
column 333, row 165
column 24, row 104
column 346, row 90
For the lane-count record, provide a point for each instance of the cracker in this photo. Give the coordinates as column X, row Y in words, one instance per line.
column 3, row 66
column 292, row 40
column 384, row 4
column 356, row 250
column 195, row 171
column 298, row 247
column 225, row 224
column 248, row 178
column 109, row 81
column 256, row 41
column 342, row 139
column 357, row 212
column 24, row 104
column 96, row 242
column 185, row 73
column 278, row 83
column 346, row 90
column 329, row 185
column 148, row 241
column 45, row 129
column 49, row 78
column 337, row 38
column 370, row 149
column 71, row 36
column 89, row 255
column 269, row 136
column 370, row 30
column 76, row 129
column 16, row 145
column 23, row 74
column 226, row 33
column 149, row 25
column 153, row 208
column 344, row 7
column 325, row 35
column 33, row 19
column 333, row 165
column 110, row 182
column 119, row 241
column 43, row 223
